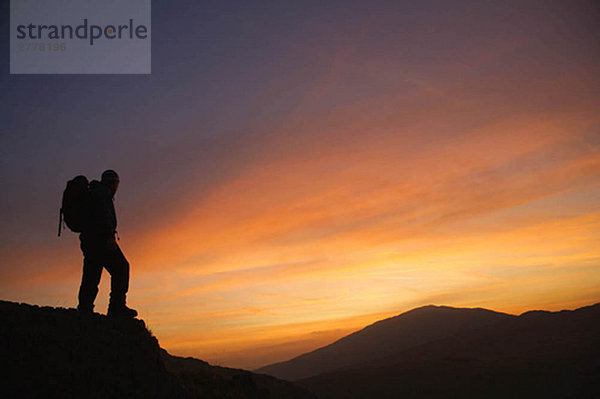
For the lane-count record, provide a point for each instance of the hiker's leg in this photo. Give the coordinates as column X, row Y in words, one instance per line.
column 92, row 271
column 118, row 267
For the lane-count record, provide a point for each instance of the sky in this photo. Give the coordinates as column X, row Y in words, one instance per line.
column 294, row 171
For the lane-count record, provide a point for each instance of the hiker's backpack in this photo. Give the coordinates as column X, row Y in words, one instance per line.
column 75, row 209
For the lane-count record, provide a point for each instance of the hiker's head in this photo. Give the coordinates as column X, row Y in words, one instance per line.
column 111, row 179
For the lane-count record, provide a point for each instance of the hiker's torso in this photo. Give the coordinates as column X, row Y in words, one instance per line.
column 103, row 219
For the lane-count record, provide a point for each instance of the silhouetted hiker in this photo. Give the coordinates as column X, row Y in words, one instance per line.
column 100, row 249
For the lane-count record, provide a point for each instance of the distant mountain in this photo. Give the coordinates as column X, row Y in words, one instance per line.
column 58, row 353
column 379, row 340
column 461, row 354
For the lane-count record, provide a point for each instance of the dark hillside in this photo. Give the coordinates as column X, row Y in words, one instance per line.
column 206, row 381
column 58, row 353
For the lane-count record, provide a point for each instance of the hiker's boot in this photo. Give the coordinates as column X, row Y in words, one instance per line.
column 85, row 309
column 121, row 311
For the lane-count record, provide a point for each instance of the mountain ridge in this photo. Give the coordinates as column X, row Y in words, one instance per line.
column 436, row 352
column 538, row 354
column 366, row 343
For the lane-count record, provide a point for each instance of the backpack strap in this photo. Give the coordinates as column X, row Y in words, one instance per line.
column 60, row 220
